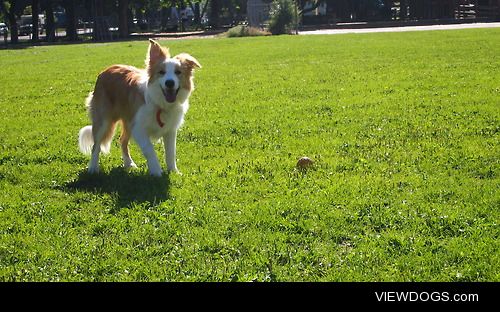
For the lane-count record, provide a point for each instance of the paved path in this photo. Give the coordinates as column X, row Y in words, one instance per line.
column 398, row 29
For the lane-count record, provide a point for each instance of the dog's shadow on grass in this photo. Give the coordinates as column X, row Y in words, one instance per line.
column 125, row 187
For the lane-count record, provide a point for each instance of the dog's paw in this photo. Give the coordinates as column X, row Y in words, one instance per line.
column 130, row 166
column 156, row 173
column 93, row 170
column 175, row 170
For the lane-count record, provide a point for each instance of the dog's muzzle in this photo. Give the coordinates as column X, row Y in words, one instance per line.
column 170, row 94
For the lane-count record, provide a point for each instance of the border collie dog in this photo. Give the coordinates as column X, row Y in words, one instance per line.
column 149, row 103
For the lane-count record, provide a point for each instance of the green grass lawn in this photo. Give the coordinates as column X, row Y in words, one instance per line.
column 403, row 128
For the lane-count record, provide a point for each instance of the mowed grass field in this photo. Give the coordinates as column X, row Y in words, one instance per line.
column 403, row 129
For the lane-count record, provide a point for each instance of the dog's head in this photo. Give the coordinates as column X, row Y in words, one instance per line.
column 170, row 78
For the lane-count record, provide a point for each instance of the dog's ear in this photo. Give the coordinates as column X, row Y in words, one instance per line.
column 156, row 53
column 188, row 60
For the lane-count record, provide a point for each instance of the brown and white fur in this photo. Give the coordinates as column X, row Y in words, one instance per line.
column 150, row 104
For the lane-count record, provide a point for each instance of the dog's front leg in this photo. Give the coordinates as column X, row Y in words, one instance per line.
column 148, row 150
column 169, row 142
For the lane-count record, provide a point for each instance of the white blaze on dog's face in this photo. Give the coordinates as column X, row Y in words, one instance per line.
column 170, row 78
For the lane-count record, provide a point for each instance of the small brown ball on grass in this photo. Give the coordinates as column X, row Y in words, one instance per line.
column 304, row 163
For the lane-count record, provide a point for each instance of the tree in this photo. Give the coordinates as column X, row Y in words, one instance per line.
column 50, row 25
column 282, row 17
column 13, row 10
column 123, row 18
column 100, row 27
column 302, row 3
column 34, row 19
column 215, row 10
column 70, row 7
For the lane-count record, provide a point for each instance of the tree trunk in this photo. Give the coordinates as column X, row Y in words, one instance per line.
column 203, row 11
column 15, row 10
column 196, row 11
column 34, row 20
column 316, row 4
column 98, row 32
column 215, row 8
column 50, row 27
column 70, row 7
column 123, row 17
column 14, row 34
column 403, row 7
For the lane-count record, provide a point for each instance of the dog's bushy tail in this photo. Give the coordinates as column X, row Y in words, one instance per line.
column 85, row 140
column 86, row 137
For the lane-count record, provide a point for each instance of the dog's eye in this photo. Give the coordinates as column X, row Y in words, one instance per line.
column 162, row 72
column 177, row 72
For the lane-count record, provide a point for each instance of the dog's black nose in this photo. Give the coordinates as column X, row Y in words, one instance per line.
column 169, row 83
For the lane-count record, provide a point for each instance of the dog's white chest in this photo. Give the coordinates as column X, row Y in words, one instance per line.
column 158, row 122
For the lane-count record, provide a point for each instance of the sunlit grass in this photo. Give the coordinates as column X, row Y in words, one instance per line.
column 403, row 129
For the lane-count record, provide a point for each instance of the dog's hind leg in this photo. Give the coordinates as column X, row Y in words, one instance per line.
column 103, row 133
column 124, row 139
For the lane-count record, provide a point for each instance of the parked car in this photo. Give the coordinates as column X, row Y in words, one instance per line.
column 3, row 29
column 25, row 30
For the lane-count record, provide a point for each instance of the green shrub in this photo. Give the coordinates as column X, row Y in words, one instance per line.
column 282, row 17
column 245, row 31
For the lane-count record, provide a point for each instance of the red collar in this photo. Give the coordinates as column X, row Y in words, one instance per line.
column 158, row 119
